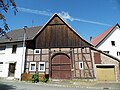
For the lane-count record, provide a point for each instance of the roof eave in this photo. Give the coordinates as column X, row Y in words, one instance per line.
column 106, row 36
column 105, row 54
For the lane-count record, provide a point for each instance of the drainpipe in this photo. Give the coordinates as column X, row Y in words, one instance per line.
column 23, row 53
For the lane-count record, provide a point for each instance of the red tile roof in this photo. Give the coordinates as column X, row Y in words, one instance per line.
column 102, row 36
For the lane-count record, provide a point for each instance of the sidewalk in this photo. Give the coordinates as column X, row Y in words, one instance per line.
column 86, row 84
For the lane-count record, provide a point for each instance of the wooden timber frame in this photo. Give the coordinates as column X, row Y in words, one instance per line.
column 62, row 50
column 76, row 55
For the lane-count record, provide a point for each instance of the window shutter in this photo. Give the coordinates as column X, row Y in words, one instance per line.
column 97, row 58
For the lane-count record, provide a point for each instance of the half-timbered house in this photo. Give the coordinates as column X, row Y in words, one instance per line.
column 56, row 50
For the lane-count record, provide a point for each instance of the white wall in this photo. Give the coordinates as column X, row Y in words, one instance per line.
column 8, row 57
column 107, row 46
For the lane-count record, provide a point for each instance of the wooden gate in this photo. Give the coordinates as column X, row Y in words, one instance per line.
column 61, row 67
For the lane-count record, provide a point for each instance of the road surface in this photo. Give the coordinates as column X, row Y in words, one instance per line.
column 18, row 85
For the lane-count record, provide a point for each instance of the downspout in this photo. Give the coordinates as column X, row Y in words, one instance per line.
column 23, row 53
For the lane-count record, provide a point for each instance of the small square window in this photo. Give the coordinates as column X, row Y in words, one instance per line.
column 41, row 66
column 81, row 65
column 37, row 51
column 106, row 52
column 118, row 53
column 32, row 66
column 14, row 48
column 113, row 43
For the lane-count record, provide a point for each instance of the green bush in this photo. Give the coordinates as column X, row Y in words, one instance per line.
column 35, row 78
column 45, row 79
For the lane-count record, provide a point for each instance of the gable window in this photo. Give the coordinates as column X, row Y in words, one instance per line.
column 14, row 48
column 118, row 53
column 113, row 43
column 37, row 51
column 1, row 66
column 80, row 65
column 107, row 52
column 41, row 66
column 32, row 66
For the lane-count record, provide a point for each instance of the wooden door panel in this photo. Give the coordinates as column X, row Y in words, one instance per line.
column 55, row 67
column 65, row 67
column 65, row 75
column 56, row 75
column 61, row 67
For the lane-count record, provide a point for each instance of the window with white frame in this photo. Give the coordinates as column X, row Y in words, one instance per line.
column 1, row 66
column 113, row 43
column 107, row 52
column 81, row 65
column 32, row 66
column 37, row 51
column 41, row 66
column 118, row 53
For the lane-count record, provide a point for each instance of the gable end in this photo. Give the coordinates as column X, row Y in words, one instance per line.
column 57, row 33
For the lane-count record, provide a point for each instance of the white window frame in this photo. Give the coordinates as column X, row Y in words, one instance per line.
column 118, row 53
column 81, row 67
column 36, row 50
column 30, row 66
column 112, row 43
column 106, row 52
column 39, row 66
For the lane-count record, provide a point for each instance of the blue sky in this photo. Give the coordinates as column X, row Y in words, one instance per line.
column 87, row 17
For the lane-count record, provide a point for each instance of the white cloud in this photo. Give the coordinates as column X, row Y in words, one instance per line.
column 46, row 13
column 66, row 16
column 63, row 14
column 92, row 22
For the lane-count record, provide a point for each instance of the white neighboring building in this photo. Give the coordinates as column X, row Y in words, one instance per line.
column 11, row 56
column 12, row 52
column 109, row 41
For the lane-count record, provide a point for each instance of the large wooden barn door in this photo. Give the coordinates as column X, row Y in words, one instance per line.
column 61, row 68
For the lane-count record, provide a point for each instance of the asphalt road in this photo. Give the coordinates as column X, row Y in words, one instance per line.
column 15, row 85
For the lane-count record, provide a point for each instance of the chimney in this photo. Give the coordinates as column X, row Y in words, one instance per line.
column 90, row 38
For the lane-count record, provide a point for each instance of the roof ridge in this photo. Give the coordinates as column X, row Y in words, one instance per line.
column 23, row 28
column 95, row 41
column 105, row 30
